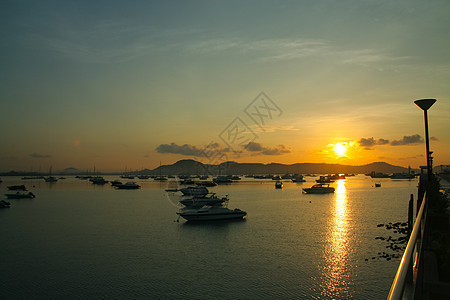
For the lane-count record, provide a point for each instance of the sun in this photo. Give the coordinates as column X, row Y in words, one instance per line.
column 340, row 149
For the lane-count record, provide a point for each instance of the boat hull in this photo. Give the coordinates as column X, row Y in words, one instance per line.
column 19, row 196
column 234, row 214
column 319, row 191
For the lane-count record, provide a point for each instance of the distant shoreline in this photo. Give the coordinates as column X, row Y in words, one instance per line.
column 192, row 167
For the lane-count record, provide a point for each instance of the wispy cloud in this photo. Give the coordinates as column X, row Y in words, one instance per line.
column 259, row 149
column 185, row 149
column 37, row 155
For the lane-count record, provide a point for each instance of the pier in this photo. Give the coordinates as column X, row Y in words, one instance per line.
column 424, row 270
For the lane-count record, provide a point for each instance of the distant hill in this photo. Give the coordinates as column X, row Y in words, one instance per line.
column 193, row 167
column 70, row 171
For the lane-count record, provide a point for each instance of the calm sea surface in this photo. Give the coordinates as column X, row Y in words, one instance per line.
column 78, row 240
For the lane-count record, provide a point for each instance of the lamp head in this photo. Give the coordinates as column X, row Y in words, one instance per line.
column 425, row 104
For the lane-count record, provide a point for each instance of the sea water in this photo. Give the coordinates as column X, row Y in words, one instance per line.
column 79, row 240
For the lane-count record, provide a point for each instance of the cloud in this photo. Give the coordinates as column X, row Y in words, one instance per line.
column 258, row 149
column 368, row 143
column 408, row 140
column 177, row 149
column 37, row 155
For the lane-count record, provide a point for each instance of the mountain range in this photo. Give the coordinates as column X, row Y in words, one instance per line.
column 193, row 167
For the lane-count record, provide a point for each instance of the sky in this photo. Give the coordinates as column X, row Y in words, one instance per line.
column 120, row 85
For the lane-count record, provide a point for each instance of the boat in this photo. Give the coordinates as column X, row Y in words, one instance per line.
column 4, row 204
column 337, row 176
column 298, row 178
column 209, row 199
column 377, row 184
column 20, row 195
column 206, row 183
column 402, row 176
column 187, row 181
column 209, row 213
column 128, row 186
column 320, row 188
column 324, row 179
column 222, row 180
column 98, row 180
column 50, row 179
column 17, row 188
column 116, row 182
column 378, row 175
column 278, row 185
column 199, row 191
column 160, row 178
column 143, row 176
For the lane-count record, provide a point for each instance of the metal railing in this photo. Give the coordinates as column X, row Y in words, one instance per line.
column 406, row 264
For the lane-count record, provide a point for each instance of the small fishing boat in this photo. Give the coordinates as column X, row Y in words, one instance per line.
column 20, row 195
column 50, row 179
column 98, row 180
column 17, row 188
column 128, row 186
column 116, row 183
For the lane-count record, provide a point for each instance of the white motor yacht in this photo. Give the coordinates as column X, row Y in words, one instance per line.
column 209, row 199
column 200, row 191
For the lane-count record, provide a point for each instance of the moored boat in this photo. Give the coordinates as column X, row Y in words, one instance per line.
column 50, row 179
column 20, row 195
column 17, row 188
column 4, row 204
column 209, row 199
column 128, row 186
column 116, row 183
column 199, row 191
column 321, row 188
column 324, row 179
column 209, row 213
column 98, row 180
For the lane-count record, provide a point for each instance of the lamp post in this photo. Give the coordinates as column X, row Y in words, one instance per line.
column 425, row 104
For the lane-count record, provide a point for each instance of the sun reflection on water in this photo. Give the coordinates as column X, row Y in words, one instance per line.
column 334, row 276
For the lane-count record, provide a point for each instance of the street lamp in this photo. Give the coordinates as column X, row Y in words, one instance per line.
column 425, row 104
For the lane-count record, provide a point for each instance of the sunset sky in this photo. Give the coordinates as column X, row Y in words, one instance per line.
column 130, row 84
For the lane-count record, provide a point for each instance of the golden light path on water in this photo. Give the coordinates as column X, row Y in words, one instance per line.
column 334, row 275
